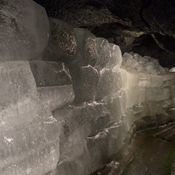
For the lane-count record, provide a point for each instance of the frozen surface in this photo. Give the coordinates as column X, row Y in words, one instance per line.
column 135, row 63
column 54, row 97
column 115, row 56
column 29, row 136
column 102, row 53
column 50, row 73
column 40, row 130
column 172, row 69
column 148, row 89
column 82, row 37
column 24, row 30
column 18, row 94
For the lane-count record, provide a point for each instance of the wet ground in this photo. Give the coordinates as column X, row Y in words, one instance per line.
column 151, row 152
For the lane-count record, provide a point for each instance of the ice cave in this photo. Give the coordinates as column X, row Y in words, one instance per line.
column 87, row 87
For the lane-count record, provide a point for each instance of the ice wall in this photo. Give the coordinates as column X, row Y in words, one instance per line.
column 114, row 95
column 29, row 139
column 24, row 30
column 149, row 89
column 71, row 111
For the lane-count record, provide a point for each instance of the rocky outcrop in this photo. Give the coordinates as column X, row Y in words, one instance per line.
column 148, row 15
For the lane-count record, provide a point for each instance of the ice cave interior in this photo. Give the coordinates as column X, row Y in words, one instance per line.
column 87, row 87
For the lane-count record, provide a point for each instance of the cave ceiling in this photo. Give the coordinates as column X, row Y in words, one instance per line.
column 124, row 22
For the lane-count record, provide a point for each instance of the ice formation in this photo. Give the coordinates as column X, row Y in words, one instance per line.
column 40, row 131
column 24, row 30
column 26, row 139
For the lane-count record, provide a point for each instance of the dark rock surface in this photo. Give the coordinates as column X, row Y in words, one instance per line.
column 121, row 21
column 154, row 16
column 145, row 45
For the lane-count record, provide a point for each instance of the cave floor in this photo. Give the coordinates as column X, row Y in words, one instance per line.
column 150, row 153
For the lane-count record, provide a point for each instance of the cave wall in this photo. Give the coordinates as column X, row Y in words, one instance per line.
column 123, row 22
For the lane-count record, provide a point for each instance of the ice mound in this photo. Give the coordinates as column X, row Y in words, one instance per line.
column 133, row 62
column 172, row 70
column 24, row 30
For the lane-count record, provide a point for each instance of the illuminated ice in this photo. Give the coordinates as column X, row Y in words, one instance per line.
column 115, row 59
column 136, row 63
column 29, row 137
column 148, row 88
column 103, row 51
column 98, row 51
column 24, row 30
column 172, row 69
